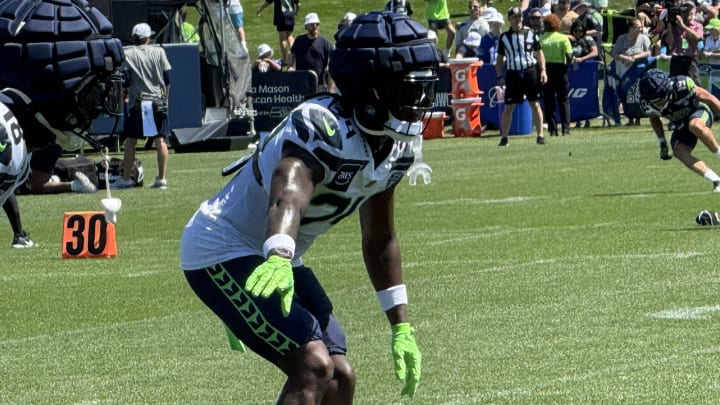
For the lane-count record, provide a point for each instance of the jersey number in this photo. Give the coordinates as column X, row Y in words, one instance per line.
column 343, row 207
column 15, row 130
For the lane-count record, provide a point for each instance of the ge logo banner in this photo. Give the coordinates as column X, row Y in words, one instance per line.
column 577, row 93
column 492, row 96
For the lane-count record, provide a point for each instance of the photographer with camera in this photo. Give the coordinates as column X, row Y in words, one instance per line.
column 682, row 36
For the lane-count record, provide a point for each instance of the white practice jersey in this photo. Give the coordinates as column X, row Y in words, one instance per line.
column 232, row 223
column 14, row 159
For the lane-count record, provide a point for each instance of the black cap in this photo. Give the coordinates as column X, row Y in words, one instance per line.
column 514, row 11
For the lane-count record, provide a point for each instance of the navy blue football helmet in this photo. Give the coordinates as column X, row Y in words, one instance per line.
column 654, row 89
column 385, row 67
column 61, row 54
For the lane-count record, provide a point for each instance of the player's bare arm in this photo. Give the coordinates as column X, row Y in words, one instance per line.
column 290, row 193
column 381, row 250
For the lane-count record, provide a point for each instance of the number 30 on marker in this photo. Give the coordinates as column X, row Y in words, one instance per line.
column 87, row 235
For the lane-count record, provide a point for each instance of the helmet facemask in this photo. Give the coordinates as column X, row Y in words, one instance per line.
column 399, row 104
column 100, row 94
column 656, row 105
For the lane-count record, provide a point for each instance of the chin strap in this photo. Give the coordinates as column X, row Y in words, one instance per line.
column 404, row 134
column 400, row 130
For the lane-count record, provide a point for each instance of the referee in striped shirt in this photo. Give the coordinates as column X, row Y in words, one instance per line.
column 520, row 66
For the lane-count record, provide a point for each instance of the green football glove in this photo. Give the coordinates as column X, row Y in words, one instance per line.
column 275, row 274
column 407, row 358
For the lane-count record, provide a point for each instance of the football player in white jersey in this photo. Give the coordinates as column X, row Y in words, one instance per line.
column 14, row 169
column 242, row 250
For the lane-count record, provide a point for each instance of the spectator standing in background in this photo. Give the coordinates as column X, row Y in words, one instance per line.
column 590, row 18
column 599, row 5
column 584, row 48
column 400, row 7
column 147, row 72
column 535, row 21
column 475, row 23
column 438, row 18
column 468, row 49
column 558, row 55
column 526, row 6
column 682, row 36
column 347, row 19
column 628, row 48
column 520, row 66
column 487, row 51
column 235, row 10
column 189, row 30
column 567, row 16
column 711, row 51
column 284, row 12
column 265, row 61
column 311, row 51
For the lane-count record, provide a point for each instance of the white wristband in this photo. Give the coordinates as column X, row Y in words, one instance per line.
column 391, row 297
column 280, row 242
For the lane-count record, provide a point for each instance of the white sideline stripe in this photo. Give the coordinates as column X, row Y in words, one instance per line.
column 685, row 313
column 509, row 265
column 92, row 329
column 472, row 201
column 479, row 397
column 198, row 170
column 69, row 274
column 498, row 231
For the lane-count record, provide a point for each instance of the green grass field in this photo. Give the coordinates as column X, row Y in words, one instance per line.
column 569, row 273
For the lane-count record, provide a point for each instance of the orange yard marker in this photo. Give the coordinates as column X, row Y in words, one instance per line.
column 88, row 235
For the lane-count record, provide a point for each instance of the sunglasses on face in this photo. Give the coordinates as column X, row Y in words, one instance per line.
column 536, row 17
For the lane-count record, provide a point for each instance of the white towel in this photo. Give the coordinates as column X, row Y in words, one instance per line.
column 149, row 128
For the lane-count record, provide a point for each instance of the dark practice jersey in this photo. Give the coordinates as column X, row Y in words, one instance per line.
column 683, row 101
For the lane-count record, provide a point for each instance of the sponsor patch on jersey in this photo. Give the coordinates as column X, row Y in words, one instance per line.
column 345, row 174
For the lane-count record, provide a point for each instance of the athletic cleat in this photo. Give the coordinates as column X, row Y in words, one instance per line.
column 716, row 186
column 159, row 183
column 82, row 184
column 503, row 141
column 540, row 140
column 665, row 152
column 22, row 240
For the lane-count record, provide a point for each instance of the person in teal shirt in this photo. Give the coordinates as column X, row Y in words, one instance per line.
column 558, row 56
column 438, row 17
